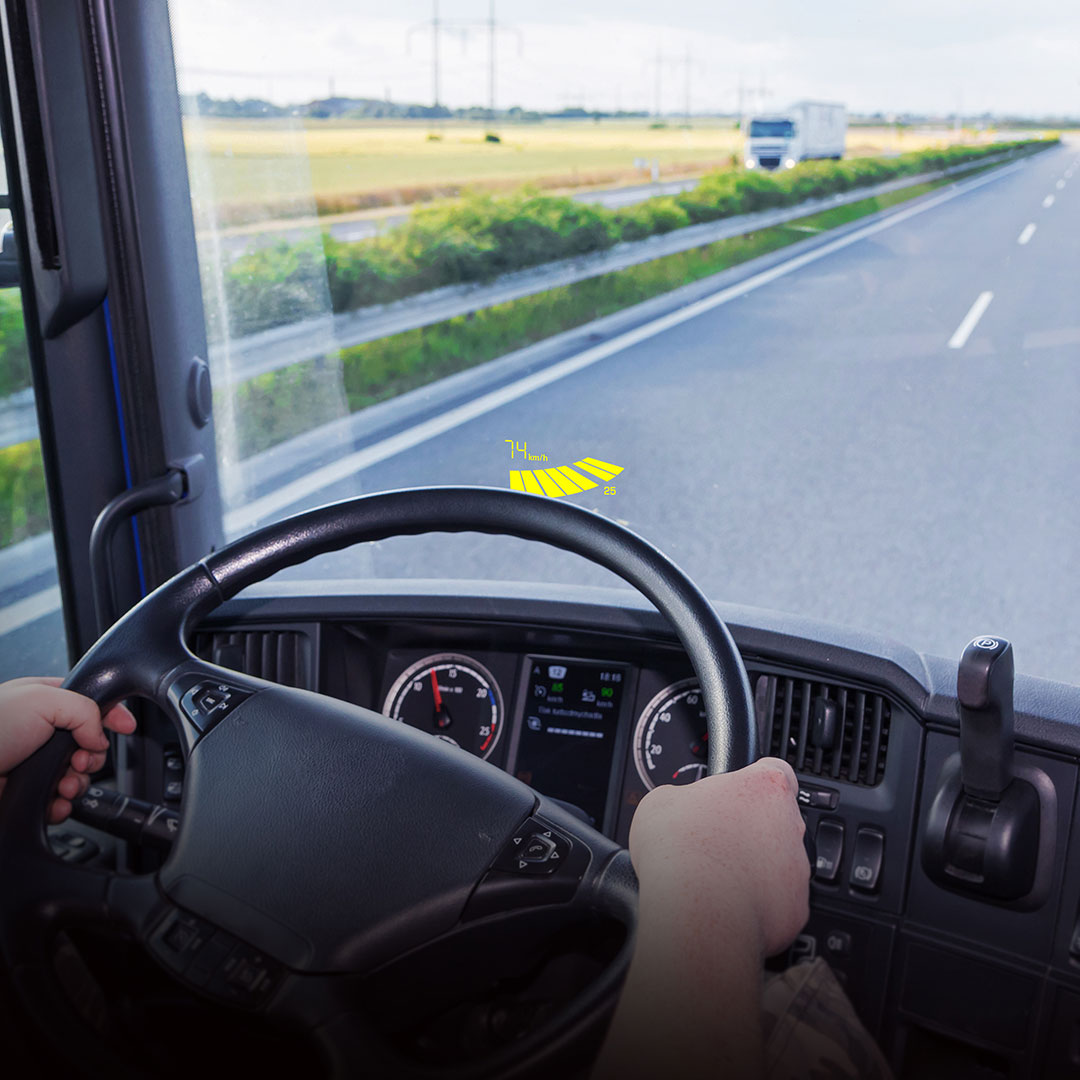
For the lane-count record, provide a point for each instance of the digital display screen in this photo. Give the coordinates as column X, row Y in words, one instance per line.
column 568, row 725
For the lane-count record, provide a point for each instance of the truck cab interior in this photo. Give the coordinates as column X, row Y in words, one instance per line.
column 376, row 823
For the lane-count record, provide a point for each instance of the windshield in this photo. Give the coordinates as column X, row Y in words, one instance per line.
column 473, row 243
column 771, row 129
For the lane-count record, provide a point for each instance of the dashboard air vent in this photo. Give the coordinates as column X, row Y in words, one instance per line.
column 835, row 732
column 281, row 656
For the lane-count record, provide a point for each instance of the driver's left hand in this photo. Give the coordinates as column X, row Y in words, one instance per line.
column 31, row 709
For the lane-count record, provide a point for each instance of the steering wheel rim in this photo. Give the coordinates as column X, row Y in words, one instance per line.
column 145, row 655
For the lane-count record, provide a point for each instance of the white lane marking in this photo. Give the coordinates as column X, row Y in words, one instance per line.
column 29, row 609
column 971, row 319
column 1027, row 234
column 1060, row 184
column 1048, row 201
column 243, row 518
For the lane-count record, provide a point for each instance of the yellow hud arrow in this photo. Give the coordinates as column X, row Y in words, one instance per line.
column 563, row 479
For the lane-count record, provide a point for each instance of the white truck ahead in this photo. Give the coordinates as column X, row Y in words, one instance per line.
column 809, row 129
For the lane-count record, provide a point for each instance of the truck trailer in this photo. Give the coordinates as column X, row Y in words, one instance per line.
column 808, row 129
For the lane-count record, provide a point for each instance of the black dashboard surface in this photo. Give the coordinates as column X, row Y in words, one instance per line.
column 568, row 688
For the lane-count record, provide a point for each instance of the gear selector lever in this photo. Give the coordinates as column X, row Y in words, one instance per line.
column 984, row 687
column 982, row 834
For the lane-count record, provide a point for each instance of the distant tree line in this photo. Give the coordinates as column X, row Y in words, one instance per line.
column 203, row 104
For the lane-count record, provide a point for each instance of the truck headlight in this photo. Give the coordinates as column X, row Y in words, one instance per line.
column 790, row 163
column 751, row 163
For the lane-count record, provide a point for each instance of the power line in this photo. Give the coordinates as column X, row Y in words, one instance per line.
column 434, row 24
column 755, row 96
column 659, row 62
column 463, row 28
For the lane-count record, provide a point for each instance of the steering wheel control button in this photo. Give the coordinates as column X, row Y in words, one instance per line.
column 183, row 937
column 213, row 960
column 540, row 865
column 207, row 703
column 829, row 846
column 535, row 848
column 179, row 939
column 867, row 859
column 245, row 977
column 210, row 699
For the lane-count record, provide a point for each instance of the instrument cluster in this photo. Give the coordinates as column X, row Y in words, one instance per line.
column 596, row 734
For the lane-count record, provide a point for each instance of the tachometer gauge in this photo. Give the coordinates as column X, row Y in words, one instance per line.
column 671, row 740
column 452, row 697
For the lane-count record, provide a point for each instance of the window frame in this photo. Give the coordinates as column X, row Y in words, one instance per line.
column 97, row 173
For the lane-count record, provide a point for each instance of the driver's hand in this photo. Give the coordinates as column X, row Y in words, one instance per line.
column 729, row 841
column 31, row 709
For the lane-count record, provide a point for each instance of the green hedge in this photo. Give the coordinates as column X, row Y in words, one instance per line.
column 479, row 237
column 24, row 506
column 14, row 357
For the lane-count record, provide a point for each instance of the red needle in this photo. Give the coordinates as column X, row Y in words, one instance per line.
column 435, row 691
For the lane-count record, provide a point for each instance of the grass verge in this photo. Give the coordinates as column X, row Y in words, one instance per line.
column 24, row 506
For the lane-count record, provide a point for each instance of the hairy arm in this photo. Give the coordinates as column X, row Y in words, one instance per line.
column 724, row 883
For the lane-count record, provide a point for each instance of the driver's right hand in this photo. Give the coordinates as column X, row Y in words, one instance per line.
column 734, row 839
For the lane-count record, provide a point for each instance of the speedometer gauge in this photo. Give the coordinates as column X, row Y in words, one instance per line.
column 671, row 740
column 450, row 696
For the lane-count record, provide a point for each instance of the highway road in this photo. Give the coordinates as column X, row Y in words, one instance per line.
column 880, row 432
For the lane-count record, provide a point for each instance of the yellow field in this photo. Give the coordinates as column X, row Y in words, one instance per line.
column 258, row 168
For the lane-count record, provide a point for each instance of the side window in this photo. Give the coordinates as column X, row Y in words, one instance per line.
column 31, row 622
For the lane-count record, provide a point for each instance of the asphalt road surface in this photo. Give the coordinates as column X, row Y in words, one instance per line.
column 885, row 437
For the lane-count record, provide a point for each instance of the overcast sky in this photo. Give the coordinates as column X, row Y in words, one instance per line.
column 1020, row 56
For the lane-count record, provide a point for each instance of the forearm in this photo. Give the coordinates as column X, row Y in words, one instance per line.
column 692, row 997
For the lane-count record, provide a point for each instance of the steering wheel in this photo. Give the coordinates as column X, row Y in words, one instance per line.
column 320, row 844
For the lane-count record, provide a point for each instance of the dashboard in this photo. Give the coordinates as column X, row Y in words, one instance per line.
column 586, row 695
column 593, row 718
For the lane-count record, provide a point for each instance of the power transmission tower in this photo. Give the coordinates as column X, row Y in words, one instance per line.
column 658, row 62
column 493, row 28
column 435, row 25
column 751, row 98
column 464, row 28
column 688, row 65
column 763, row 94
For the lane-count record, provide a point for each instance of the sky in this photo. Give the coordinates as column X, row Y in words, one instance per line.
column 925, row 56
